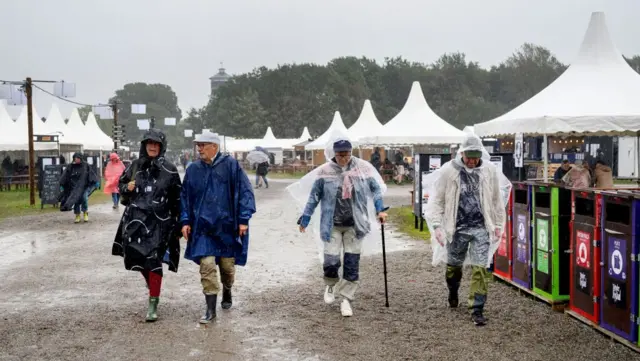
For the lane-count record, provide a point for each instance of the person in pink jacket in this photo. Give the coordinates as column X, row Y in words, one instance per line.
column 112, row 174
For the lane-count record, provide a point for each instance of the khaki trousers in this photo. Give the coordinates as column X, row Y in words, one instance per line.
column 209, row 274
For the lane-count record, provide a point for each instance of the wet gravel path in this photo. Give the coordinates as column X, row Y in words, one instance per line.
column 65, row 298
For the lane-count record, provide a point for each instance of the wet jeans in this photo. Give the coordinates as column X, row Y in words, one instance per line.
column 115, row 197
column 264, row 178
column 209, row 274
column 343, row 238
column 476, row 242
column 83, row 206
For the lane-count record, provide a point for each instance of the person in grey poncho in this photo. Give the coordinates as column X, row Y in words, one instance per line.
column 467, row 213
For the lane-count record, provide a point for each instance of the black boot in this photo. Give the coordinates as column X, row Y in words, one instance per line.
column 453, row 277
column 210, row 314
column 226, row 298
column 478, row 318
column 477, row 308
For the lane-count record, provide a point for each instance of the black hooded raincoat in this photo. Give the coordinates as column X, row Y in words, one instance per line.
column 75, row 179
column 149, row 226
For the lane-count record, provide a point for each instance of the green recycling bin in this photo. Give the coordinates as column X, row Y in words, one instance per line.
column 551, row 241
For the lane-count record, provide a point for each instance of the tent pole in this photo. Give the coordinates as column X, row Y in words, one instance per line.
column 545, row 157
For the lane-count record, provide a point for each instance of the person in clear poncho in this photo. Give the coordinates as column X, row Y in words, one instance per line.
column 349, row 191
column 578, row 176
column 466, row 216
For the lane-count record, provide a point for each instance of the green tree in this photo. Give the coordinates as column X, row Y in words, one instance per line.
column 161, row 102
column 239, row 116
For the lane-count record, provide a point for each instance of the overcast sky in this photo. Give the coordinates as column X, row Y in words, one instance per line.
column 101, row 45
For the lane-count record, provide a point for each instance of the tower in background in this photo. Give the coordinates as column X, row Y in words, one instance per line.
column 219, row 79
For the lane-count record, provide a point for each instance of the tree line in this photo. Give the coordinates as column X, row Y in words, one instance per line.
column 292, row 96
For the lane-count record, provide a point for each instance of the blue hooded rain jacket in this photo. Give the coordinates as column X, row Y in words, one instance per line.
column 216, row 199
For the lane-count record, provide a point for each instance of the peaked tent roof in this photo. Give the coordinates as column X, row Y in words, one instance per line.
column 416, row 123
column 55, row 125
column 367, row 124
column 9, row 134
column 76, row 131
column 321, row 142
column 22, row 131
column 597, row 94
column 305, row 134
column 269, row 140
column 54, row 122
column 96, row 137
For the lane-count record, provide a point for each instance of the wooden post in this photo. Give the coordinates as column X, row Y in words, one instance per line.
column 28, row 90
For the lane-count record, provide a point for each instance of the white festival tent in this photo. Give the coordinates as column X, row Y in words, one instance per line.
column 96, row 138
column 242, row 145
column 305, row 135
column 55, row 125
column 367, row 124
column 269, row 141
column 321, row 142
column 290, row 143
column 9, row 136
column 76, row 131
column 597, row 94
column 22, row 131
column 416, row 124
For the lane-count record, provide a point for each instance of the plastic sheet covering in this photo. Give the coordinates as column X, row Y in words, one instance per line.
column 431, row 184
column 577, row 177
column 359, row 177
column 256, row 156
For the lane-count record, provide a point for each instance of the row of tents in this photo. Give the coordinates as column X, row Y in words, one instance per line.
column 75, row 132
column 597, row 95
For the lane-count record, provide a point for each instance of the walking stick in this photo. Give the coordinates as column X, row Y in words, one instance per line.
column 384, row 265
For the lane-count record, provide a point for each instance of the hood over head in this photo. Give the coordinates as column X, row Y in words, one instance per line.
column 114, row 157
column 156, row 136
column 78, row 155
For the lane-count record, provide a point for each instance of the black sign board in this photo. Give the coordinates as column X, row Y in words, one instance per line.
column 432, row 149
column 50, row 191
column 45, row 138
column 532, row 171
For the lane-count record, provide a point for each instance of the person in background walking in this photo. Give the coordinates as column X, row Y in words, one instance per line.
column 77, row 182
column 150, row 188
column 261, row 173
column 112, row 173
column 217, row 204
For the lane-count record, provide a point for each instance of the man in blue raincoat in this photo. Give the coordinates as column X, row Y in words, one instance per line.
column 217, row 204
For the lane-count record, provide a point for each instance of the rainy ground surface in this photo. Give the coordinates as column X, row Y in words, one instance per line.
column 64, row 297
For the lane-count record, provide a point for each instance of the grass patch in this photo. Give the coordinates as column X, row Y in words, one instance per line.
column 16, row 203
column 296, row 175
column 625, row 181
column 403, row 219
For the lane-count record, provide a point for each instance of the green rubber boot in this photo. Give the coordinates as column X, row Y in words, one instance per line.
column 152, row 313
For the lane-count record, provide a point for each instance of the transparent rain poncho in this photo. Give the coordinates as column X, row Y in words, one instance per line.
column 435, row 213
column 359, row 182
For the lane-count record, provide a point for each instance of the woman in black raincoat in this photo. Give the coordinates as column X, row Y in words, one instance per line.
column 78, row 181
column 149, row 232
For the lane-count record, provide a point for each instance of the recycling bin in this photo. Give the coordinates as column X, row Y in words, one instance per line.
column 585, row 227
column 619, row 273
column 521, row 229
column 551, row 241
column 503, row 256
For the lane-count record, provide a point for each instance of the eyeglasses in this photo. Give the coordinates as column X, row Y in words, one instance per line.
column 202, row 145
